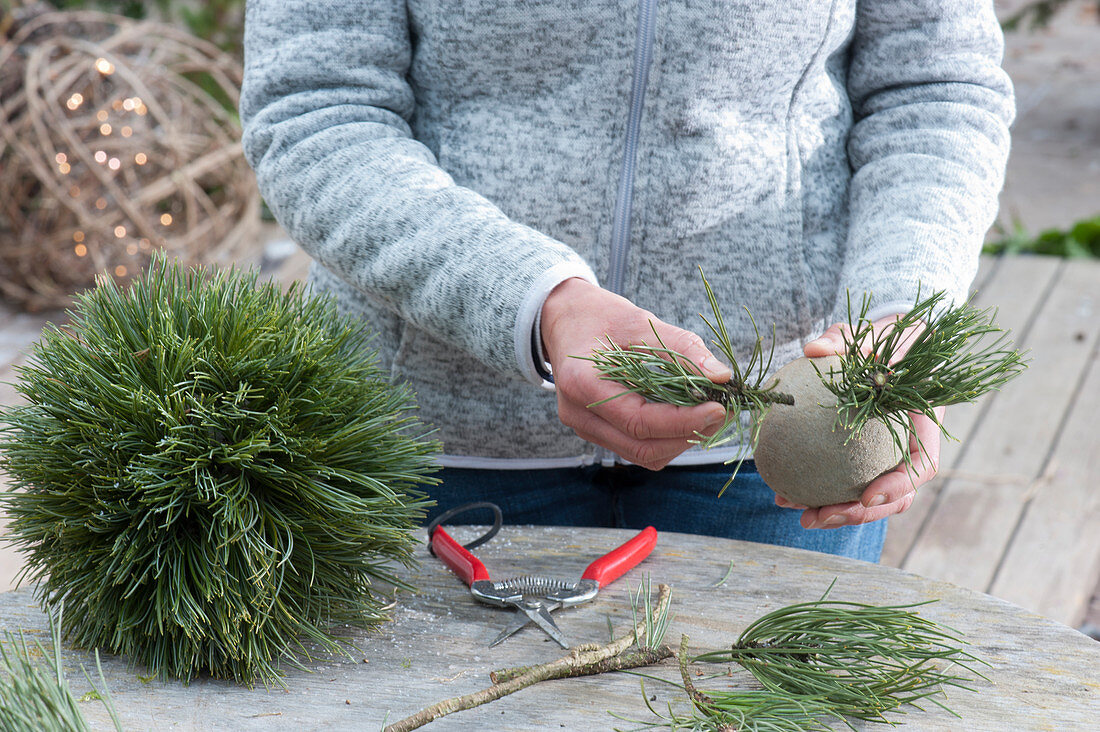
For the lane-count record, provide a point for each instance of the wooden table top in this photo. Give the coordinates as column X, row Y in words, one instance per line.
column 1043, row 675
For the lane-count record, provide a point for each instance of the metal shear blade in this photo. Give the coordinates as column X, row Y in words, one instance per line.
column 538, row 613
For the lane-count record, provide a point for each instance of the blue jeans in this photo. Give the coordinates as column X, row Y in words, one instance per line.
column 683, row 499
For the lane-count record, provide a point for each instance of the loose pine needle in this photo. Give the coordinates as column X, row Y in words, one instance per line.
column 726, row 576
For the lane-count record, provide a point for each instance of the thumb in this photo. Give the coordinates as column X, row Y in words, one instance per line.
column 690, row 345
column 829, row 343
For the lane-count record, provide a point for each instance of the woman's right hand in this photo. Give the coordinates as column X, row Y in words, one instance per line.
column 575, row 315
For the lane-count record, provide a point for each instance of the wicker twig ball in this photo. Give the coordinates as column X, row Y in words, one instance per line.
column 117, row 137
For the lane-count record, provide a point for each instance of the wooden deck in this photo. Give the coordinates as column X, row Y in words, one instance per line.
column 1015, row 511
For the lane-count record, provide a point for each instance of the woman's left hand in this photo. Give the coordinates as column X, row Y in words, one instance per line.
column 892, row 492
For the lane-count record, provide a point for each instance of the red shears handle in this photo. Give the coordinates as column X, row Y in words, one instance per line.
column 461, row 562
column 617, row 562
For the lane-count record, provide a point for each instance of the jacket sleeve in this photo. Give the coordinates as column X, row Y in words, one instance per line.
column 326, row 111
column 932, row 109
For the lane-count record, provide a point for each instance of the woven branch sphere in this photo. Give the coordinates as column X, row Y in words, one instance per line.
column 208, row 472
column 116, row 139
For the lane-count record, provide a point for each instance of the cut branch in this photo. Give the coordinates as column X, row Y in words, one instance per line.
column 583, row 661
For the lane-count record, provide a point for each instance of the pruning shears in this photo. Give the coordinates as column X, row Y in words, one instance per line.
column 534, row 597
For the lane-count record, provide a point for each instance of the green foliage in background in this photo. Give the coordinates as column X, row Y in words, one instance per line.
column 219, row 21
column 1080, row 240
column 1036, row 14
column 211, row 473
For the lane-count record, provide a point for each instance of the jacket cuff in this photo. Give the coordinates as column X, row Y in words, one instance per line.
column 888, row 309
column 891, row 308
column 530, row 359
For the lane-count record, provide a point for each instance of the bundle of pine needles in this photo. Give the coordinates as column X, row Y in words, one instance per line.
column 34, row 695
column 663, row 375
column 863, row 660
column 956, row 355
column 825, row 662
column 211, row 472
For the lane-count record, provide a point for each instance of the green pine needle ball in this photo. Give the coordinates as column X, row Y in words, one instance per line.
column 210, row 473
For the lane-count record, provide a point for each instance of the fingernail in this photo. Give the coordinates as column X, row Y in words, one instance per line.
column 714, row 420
column 820, row 342
column 834, row 520
column 877, row 500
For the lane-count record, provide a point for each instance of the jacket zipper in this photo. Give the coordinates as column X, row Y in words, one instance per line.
column 624, row 201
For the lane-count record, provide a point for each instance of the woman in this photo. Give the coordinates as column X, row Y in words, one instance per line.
column 494, row 185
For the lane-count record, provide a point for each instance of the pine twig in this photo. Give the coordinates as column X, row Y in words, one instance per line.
column 821, row 662
column 957, row 355
column 625, row 660
column 581, row 661
column 742, row 710
column 661, row 374
column 698, row 698
column 864, row 660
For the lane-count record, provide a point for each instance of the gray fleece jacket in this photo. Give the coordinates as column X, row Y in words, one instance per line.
column 446, row 163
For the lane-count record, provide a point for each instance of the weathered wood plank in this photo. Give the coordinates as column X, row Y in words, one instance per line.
column 20, row 330
column 1061, row 517
column 979, row 508
column 1091, row 623
column 17, row 332
column 1043, row 674
column 11, row 562
column 1015, row 286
